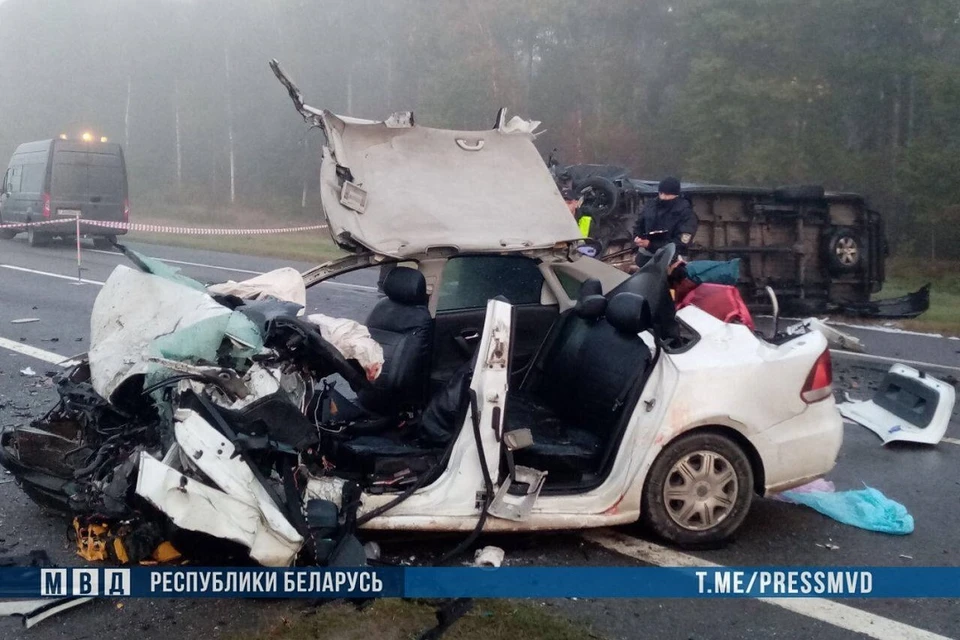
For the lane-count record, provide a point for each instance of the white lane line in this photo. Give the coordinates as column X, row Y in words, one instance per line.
column 60, row 276
column 51, row 275
column 344, row 285
column 347, row 285
column 869, row 327
column 828, row 611
column 912, row 363
column 39, row 354
column 950, row 440
column 188, row 264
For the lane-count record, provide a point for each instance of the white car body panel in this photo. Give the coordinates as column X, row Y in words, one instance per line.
column 716, row 383
column 239, row 510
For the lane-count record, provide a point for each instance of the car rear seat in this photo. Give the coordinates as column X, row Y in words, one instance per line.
column 402, row 325
column 573, row 407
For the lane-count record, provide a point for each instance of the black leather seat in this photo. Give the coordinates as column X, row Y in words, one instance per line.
column 573, row 406
column 424, row 438
column 402, row 325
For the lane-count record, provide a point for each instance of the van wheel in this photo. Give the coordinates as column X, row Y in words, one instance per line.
column 104, row 243
column 35, row 239
column 844, row 251
column 698, row 491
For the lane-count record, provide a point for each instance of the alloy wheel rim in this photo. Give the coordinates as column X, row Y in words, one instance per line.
column 847, row 250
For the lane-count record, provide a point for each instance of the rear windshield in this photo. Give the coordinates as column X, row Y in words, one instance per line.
column 82, row 175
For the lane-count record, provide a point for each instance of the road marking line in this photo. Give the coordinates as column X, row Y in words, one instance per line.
column 912, row 363
column 950, row 440
column 345, row 285
column 51, row 275
column 188, row 264
column 828, row 611
column 39, row 354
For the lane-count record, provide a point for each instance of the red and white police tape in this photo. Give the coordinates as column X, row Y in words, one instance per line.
column 157, row 228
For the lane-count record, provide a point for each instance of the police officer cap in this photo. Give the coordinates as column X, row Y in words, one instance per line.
column 670, row 186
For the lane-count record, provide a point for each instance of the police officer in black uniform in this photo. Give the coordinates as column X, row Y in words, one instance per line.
column 666, row 219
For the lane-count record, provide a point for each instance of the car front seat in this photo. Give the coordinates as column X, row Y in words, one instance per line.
column 402, row 325
column 575, row 410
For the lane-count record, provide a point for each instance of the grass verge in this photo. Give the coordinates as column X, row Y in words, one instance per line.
column 310, row 246
column 905, row 276
column 400, row 619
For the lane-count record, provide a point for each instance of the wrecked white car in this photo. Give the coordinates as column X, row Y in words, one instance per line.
column 504, row 382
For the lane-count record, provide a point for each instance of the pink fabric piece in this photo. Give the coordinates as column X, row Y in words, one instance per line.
column 821, row 485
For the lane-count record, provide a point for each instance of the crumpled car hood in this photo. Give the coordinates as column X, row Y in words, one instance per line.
column 399, row 189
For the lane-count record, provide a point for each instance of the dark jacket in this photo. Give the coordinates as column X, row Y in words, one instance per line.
column 674, row 217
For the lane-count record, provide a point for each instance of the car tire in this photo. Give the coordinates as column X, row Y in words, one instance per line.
column 7, row 234
column 104, row 243
column 799, row 193
column 604, row 198
column 844, row 251
column 681, row 496
column 35, row 239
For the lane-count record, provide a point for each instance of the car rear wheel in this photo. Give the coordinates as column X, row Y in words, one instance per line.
column 698, row 491
column 35, row 239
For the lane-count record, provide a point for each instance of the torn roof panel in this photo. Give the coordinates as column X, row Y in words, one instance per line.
column 412, row 188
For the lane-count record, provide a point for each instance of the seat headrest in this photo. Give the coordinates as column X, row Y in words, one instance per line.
column 406, row 286
column 590, row 287
column 629, row 313
column 590, row 307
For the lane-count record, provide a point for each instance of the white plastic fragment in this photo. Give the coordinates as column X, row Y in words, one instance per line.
column 28, row 372
column 488, row 557
column 836, row 338
column 24, row 320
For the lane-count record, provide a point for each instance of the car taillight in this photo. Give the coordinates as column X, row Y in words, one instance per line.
column 819, row 384
column 126, row 210
column 46, row 205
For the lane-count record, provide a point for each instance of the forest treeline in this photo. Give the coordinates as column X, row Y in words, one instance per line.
column 860, row 95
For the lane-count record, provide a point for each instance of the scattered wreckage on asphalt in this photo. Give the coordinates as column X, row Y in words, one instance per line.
column 504, row 382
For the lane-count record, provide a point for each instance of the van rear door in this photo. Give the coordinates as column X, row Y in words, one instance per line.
column 89, row 181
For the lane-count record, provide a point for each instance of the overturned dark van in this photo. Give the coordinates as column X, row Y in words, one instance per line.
column 61, row 180
column 819, row 251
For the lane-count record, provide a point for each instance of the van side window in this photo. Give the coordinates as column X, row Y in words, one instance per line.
column 13, row 179
column 32, row 180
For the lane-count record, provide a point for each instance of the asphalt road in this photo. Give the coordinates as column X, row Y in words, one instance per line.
column 40, row 283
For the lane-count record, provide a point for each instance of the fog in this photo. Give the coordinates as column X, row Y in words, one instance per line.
column 859, row 95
